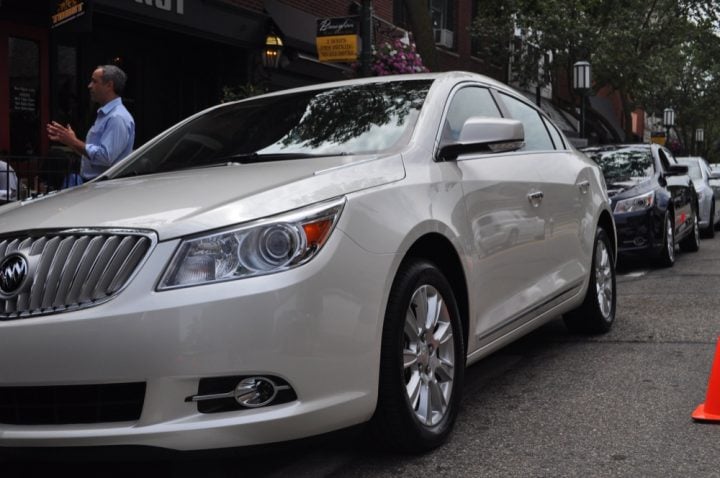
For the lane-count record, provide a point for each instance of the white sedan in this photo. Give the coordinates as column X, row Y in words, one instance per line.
column 297, row 263
column 705, row 181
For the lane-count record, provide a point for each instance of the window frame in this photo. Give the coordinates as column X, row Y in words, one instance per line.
column 541, row 114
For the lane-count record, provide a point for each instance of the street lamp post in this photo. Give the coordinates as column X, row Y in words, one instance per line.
column 699, row 140
column 581, row 84
column 668, row 122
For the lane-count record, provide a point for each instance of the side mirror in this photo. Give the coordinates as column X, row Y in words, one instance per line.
column 485, row 135
column 676, row 170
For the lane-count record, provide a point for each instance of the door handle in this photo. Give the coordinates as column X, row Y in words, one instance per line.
column 536, row 198
column 584, row 187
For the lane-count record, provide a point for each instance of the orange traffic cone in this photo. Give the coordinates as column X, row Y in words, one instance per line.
column 710, row 410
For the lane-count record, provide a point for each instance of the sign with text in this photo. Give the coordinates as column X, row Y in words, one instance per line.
column 66, row 11
column 23, row 98
column 657, row 137
column 337, row 39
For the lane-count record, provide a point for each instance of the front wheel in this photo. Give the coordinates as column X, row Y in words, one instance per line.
column 666, row 258
column 597, row 312
column 422, row 361
column 692, row 242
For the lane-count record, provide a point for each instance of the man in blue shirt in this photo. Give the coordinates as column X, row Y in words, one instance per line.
column 112, row 136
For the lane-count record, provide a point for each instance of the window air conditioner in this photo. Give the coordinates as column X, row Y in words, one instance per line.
column 443, row 37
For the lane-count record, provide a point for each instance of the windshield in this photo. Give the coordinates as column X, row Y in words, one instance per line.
column 358, row 119
column 624, row 164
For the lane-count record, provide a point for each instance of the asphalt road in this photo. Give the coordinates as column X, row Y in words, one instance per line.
column 553, row 404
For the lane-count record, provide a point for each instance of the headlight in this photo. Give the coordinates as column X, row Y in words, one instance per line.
column 262, row 247
column 638, row 203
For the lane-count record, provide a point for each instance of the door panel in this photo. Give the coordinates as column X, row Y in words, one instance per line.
column 567, row 182
column 509, row 235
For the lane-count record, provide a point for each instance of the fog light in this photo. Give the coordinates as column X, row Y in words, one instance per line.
column 255, row 392
column 224, row 394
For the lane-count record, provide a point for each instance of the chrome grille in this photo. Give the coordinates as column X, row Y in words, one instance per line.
column 72, row 269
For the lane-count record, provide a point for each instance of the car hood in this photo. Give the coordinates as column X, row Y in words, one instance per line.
column 186, row 202
column 627, row 187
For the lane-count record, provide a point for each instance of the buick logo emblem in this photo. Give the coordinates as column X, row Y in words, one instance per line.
column 13, row 272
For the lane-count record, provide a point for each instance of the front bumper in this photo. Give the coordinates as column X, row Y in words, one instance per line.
column 639, row 232
column 316, row 327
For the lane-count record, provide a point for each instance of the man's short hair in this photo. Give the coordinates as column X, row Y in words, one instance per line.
column 116, row 75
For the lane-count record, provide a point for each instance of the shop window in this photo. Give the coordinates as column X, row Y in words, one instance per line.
column 68, row 101
column 24, row 83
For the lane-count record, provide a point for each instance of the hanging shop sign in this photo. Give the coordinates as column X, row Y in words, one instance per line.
column 337, row 39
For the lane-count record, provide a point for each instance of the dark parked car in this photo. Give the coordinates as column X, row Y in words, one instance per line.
column 653, row 199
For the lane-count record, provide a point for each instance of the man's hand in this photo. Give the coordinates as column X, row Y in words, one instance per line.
column 61, row 134
column 65, row 135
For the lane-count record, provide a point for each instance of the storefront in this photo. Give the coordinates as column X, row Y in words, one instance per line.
column 178, row 56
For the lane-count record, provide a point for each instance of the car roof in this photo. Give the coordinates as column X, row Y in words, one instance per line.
column 446, row 76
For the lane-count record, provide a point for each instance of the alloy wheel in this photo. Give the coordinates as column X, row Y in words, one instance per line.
column 428, row 355
column 603, row 278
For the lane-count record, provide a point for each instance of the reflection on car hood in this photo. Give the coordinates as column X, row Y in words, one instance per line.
column 626, row 185
column 190, row 201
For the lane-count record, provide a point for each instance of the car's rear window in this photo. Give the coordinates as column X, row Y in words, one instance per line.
column 348, row 120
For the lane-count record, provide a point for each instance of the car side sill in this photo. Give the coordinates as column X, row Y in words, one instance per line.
column 523, row 323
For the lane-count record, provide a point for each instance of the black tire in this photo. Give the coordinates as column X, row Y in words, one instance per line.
column 397, row 420
column 666, row 257
column 692, row 242
column 596, row 315
column 709, row 232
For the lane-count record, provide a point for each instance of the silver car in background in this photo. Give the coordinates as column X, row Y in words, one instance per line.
column 708, row 194
column 296, row 263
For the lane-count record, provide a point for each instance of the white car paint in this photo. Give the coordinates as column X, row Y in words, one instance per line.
column 319, row 325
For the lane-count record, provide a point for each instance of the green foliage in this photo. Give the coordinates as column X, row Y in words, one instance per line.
column 655, row 53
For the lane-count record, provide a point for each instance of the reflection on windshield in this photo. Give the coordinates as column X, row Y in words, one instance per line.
column 624, row 164
column 358, row 119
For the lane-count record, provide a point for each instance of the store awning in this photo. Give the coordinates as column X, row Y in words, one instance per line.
column 298, row 28
column 209, row 20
